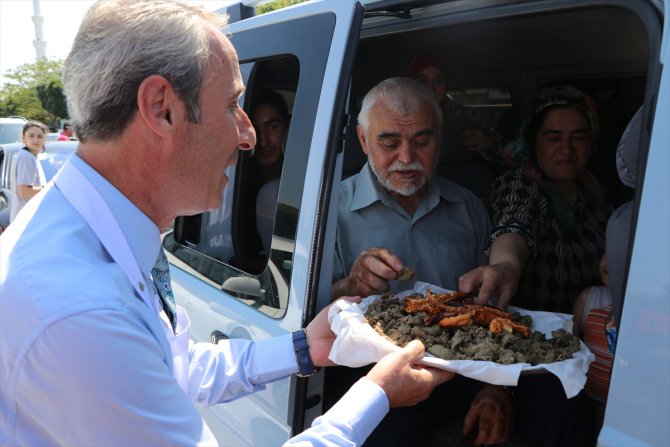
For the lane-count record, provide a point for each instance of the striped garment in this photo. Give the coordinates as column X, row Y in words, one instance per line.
column 564, row 261
column 598, row 377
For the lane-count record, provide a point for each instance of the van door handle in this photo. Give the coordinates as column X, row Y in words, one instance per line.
column 218, row 336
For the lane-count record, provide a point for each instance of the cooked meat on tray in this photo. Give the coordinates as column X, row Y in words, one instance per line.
column 453, row 328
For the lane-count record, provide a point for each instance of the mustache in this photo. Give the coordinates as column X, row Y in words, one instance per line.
column 398, row 166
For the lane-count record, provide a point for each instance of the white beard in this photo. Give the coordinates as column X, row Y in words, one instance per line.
column 405, row 189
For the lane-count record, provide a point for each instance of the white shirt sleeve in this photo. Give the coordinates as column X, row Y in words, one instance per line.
column 350, row 421
column 107, row 381
column 235, row 368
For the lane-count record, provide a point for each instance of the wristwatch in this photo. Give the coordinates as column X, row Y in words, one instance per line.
column 305, row 365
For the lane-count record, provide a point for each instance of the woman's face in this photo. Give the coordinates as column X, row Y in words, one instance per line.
column 435, row 79
column 33, row 138
column 563, row 144
column 270, row 131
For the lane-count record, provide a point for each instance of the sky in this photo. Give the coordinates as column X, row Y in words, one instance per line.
column 60, row 25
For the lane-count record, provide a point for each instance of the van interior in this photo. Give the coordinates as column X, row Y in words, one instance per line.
column 497, row 59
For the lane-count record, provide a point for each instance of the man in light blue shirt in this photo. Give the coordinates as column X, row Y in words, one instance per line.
column 88, row 354
column 395, row 212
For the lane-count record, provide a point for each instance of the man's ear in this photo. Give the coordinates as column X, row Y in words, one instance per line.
column 361, row 138
column 158, row 105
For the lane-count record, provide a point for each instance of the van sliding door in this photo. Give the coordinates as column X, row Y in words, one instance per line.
column 231, row 287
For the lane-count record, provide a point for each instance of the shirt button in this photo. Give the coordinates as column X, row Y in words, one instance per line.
column 141, row 284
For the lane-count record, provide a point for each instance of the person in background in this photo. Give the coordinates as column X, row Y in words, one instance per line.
column 93, row 348
column 617, row 236
column 551, row 208
column 270, row 118
column 397, row 212
column 469, row 147
column 590, row 311
column 594, row 308
column 67, row 133
column 27, row 176
column 591, row 298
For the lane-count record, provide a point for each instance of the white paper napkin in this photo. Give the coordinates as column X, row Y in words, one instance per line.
column 357, row 344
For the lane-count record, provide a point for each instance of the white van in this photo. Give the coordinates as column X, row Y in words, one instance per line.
column 11, row 129
column 323, row 56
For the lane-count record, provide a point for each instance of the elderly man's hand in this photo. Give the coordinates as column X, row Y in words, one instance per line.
column 370, row 274
column 491, row 416
column 404, row 382
column 501, row 279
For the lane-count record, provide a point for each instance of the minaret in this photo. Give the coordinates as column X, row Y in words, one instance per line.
column 39, row 43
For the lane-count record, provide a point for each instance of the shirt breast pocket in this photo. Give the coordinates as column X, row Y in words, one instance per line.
column 446, row 259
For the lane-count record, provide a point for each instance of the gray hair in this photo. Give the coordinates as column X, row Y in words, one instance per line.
column 122, row 42
column 402, row 95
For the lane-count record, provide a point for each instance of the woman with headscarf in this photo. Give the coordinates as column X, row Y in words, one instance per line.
column 467, row 144
column 550, row 209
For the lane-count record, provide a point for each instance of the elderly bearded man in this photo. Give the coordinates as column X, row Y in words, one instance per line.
column 396, row 212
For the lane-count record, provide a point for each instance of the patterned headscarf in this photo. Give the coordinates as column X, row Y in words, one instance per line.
column 522, row 149
column 559, row 95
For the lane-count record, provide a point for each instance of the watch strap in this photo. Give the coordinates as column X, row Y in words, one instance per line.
column 305, row 365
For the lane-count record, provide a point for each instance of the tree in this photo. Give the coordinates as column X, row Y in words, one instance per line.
column 20, row 96
column 277, row 4
column 52, row 99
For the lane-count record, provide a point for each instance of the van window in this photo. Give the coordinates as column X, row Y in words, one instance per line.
column 489, row 103
column 231, row 246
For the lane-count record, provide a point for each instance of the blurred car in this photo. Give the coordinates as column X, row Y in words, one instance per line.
column 10, row 129
column 57, row 152
column 53, row 136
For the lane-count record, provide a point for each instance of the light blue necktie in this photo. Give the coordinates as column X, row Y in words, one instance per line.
column 161, row 276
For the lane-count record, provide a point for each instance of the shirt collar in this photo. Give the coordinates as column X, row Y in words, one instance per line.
column 369, row 190
column 141, row 232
